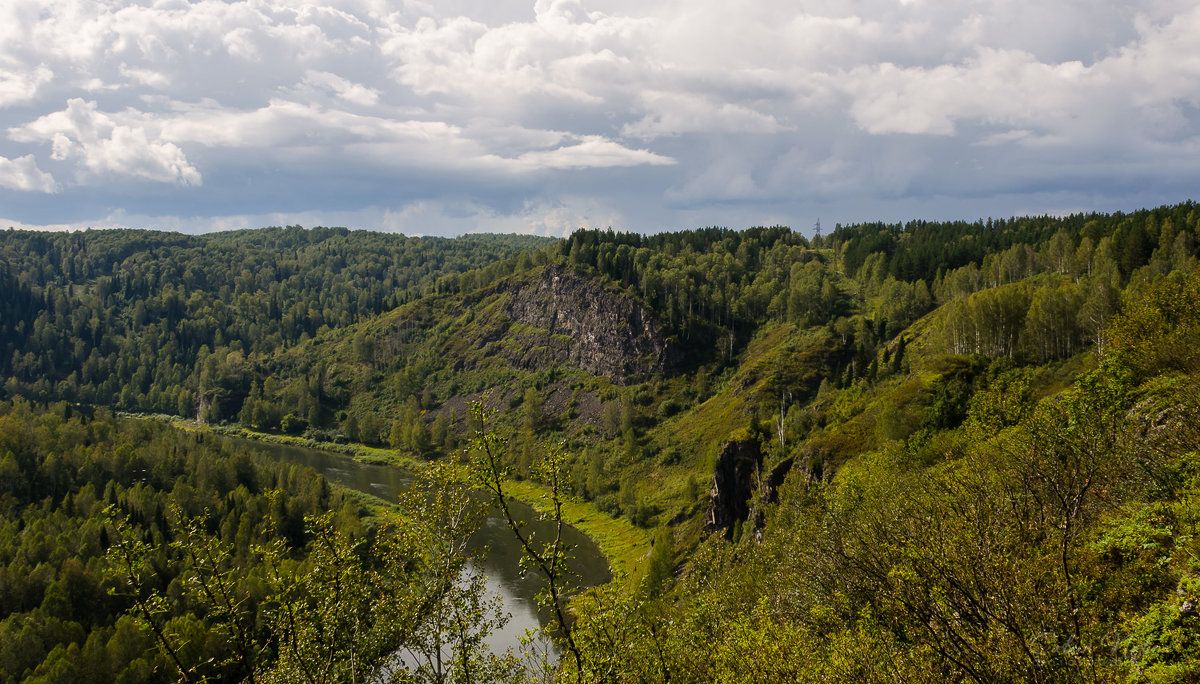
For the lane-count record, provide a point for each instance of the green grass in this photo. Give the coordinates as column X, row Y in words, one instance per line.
column 698, row 431
column 624, row 545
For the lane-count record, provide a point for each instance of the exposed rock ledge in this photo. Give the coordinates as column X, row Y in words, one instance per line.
column 733, row 482
column 590, row 326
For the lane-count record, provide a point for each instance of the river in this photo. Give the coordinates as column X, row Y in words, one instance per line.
column 500, row 561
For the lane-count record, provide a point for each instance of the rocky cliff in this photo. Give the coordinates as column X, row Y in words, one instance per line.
column 733, row 482
column 567, row 317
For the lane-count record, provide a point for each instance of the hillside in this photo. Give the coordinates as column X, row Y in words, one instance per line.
column 926, row 451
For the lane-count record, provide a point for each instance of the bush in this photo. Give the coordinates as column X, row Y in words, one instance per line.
column 293, row 424
column 644, row 517
column 608, row 504
column 670, row 456
column 669, row 408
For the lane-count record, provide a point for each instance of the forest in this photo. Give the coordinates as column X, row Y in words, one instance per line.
column 132, row 551
column 924, row 451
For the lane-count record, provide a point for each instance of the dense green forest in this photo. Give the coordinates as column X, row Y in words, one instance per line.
column 136, row 552
column 1040, row 539
column 921, row 451
column 166, row 322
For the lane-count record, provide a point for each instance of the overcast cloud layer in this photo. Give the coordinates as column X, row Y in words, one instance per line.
column 545, row 116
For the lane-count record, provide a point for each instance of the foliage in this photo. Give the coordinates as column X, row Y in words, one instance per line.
column 172, row 323
column 954, row 486
column 547, row 558
column 134, row 551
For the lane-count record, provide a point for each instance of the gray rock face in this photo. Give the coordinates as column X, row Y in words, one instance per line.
column 580, row 322
column 732, row 484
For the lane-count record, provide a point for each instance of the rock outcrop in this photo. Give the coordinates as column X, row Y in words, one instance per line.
column 573, row 319
column 732, row 484
column 775, row 480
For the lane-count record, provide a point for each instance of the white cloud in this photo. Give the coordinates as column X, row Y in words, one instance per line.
column 23, row 173
column 674, row 114
column 347, row 90
column 101, row 145
column 559, row 55
column 592, row 152
column 667, row 109
column 21, row 85
column 6, row 223
column 1148, row 80
column 479, row 148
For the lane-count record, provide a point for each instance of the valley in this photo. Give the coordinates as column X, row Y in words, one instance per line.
column 926, row 451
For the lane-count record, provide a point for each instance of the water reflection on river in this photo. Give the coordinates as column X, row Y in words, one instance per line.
column 500, row 564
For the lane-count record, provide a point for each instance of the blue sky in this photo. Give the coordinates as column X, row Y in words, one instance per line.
column 541, row 117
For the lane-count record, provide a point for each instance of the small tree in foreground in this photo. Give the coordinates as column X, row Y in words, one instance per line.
column 345, row 608
column 547, row 558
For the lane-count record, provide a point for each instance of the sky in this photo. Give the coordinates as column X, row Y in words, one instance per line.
column 544, row 116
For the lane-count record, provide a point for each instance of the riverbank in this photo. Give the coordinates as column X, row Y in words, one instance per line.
column 625, row 546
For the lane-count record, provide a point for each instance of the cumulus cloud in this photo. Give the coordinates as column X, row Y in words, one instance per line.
column 387, row 142
column 101, row 144
column 653, row 113
column 21, row 85
column 1013, row 88
column 23, row 173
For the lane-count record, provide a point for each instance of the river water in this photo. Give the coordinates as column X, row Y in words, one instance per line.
column 500, row 561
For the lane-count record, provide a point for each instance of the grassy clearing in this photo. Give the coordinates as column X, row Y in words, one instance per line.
column 624, row 545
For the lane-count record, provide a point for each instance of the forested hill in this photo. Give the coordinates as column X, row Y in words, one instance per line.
column 130, row 318
column 922, row 249
column 925, row 451
column 355, row 334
